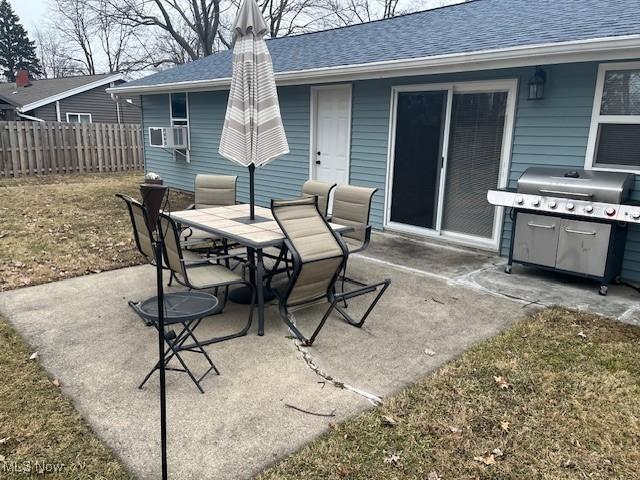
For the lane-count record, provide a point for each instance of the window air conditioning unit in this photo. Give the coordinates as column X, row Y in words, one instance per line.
column 169, row 137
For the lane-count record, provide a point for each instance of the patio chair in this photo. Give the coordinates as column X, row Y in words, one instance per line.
column 310, row 188
column 210, row 191
column 143, row 239
column 320, row 189
column 352, row 207
column 318, row 255
column 202, row 274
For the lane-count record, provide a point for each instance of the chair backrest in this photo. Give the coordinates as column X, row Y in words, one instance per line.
column 141, row 233
column 351, row 207
column 172, row 250
column 320, row 189
column 317, row 252
column 215, row 190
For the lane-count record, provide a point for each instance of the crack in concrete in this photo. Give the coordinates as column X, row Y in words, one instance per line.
column 375, row 400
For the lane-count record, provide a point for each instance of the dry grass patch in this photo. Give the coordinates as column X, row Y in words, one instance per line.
column 555, row 397
column 39, row 427
column 52, row 228
column 61, row 226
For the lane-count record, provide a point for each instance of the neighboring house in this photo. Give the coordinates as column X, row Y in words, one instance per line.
column 70, row 99
column 384, row 104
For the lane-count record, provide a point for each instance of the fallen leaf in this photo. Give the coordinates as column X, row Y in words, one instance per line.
column 56, row 382
column 502, row 383
column 34, row 356
column 455, row 430
column 388, row 421
column 487, row 459
column 1, row 458
column 582, row 334
column 497, row 452
column 569, row 464
column 504, row 425
column 433, row 476
column 393, row 459
column 429, row 352
column 4, row 440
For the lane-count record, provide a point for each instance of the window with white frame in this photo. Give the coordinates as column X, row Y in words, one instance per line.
column 179, row 104
column 78, row 117
column 614, row 139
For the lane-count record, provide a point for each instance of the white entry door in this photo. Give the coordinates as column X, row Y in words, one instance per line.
column 331, row 133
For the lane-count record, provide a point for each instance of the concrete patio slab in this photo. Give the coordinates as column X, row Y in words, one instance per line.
column 484, row 272
column 89, row 338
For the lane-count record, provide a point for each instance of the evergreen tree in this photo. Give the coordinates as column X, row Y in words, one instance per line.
column 16, row 50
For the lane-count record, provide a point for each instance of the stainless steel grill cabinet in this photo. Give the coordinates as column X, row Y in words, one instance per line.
column 570, row 220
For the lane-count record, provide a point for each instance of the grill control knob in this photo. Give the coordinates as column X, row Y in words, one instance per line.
column 519, row 200
column 610, row 211
column 635, row 215
column 536, row 202
column 552, row 204
column 588, row 209
column 570, row 206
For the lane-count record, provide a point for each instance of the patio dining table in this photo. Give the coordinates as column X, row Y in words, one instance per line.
column 232, row 223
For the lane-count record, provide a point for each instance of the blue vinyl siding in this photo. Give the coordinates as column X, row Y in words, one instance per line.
column 280, row 179
column 551, row 132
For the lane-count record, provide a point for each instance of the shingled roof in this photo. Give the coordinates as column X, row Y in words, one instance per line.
column 42, row 90
column 473, row 26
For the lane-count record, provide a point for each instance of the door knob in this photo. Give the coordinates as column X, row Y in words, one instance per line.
column 317, row 153
column 317, row 162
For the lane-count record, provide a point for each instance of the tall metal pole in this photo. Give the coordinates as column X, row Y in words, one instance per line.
column 252, row 200
column 163, row 397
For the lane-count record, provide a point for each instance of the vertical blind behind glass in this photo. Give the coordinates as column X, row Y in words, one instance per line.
column 473, row 164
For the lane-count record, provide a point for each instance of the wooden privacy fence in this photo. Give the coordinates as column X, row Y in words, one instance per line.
column 41, row 148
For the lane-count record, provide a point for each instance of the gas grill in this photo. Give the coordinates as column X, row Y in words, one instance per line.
column 570, row 221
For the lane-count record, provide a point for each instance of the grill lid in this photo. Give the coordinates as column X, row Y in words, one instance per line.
column 589, row 185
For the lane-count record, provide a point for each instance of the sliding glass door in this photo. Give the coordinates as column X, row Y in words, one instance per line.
column 418, row 157
column 473, row 163
column 450, row 145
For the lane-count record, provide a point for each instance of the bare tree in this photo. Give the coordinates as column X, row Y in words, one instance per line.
column 76, row 22
column 192, row 24
column 54, row 55
column 350, row 12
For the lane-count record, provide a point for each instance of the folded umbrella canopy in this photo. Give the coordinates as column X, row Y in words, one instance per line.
column 253, row 134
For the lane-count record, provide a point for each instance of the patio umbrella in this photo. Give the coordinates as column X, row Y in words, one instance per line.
column 253, row 134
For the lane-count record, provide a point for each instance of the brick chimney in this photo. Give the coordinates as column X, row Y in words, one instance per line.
column 22, row 78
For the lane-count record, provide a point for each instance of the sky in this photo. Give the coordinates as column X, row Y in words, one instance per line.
column 31, row 13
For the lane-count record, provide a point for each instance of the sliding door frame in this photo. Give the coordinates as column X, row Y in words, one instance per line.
column 511, row 87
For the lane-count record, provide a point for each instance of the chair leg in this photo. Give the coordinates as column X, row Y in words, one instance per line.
column 344, row 276
column 307, row 342
column 200, row 349
column 175, row 346
column 241, row 333
column 362, row 291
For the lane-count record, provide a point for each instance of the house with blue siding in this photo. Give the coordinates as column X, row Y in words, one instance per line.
column 432, row 108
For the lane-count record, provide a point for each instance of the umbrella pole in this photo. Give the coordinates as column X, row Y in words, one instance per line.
column 252, row 170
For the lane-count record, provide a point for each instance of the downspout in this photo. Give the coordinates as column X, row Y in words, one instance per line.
column 115, row 98
column 29, row 117
column 58, row 116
